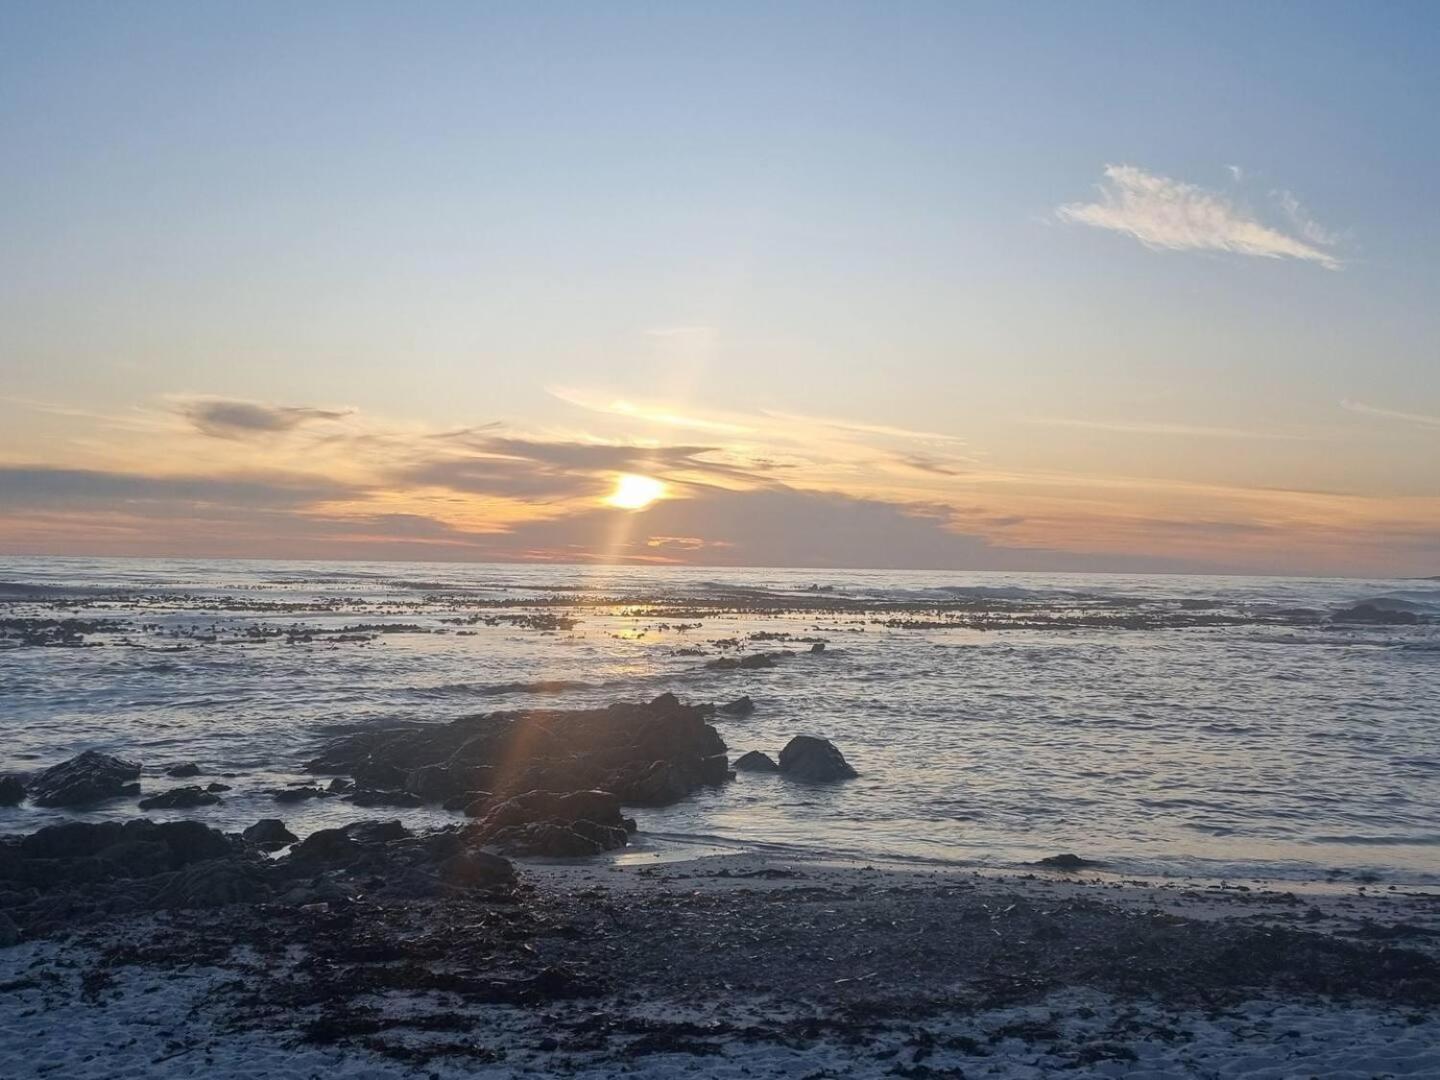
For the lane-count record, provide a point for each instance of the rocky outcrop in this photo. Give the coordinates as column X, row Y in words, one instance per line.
column 809, row 757
column 741, row 706
column 645, row 754
column 188, row 768
column 86, row 778
column 180, row 798
column 756, row 761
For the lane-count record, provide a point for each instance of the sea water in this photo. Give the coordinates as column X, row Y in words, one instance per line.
column 1212, row 726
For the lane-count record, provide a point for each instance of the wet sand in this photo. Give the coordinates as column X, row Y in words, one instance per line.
column 656, row 962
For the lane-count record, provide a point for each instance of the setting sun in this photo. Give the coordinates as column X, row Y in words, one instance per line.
column 634, row 492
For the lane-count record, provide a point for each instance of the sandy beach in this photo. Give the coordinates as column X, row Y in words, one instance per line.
column 661, row 961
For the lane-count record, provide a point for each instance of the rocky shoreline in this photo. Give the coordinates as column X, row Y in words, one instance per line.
column 514, row 940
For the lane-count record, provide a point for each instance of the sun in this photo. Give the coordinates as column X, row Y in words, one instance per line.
column 634, row 492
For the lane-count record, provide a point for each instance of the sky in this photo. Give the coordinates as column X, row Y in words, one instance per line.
column 1110, row 286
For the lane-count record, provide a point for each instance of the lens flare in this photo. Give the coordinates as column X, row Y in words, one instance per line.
column 634, row 492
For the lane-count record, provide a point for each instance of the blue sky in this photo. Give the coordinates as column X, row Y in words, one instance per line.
column 439, row 216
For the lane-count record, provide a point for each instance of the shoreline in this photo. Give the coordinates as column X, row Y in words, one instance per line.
column 744, row 964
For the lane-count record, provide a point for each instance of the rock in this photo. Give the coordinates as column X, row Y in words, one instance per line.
column 217, row 787
column 189, row 768
column 216, row 883
column 599, row 806
column 379, row 776
column 476, row 870
column 648, row 754
column 326, row 846
column 86, row 778
column 371, row 831
column 180, row 798
column 269, row 834
column 811, row 758
column 755, row 761
column 741, row 706
column 817, row 648
column 12, row 790
column 369, row 797
column 661, row 784
column 338, row 785
column 1066, row 862
column 184, row 841
column 9, row 932
column 300, row 794
column 547, row 838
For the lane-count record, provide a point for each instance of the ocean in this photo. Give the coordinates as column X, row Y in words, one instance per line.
column 1220, row 727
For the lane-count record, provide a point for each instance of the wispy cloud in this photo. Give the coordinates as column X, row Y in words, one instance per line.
column 859, row 428
column 1421, row 419
column 1157, row 427
column 1168, row 214
column 228, row 418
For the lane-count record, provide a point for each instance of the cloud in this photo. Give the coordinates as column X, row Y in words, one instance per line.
column 1167, row 214
column 40, row 486
column 1419, row 419
column 860, row 428
column 228, row 418
column 1149, row 427
column 552, row 470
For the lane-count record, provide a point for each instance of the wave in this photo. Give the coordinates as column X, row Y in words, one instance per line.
column 542, row 686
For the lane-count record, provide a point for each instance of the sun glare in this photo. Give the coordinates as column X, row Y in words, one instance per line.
column 635, row 492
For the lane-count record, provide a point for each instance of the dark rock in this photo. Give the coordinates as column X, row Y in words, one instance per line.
column 660, row 784
column 811, row 758
column 755, row 761
column 371, row 831
column 646, row 754
column 12, row 790
column 338, row 785
column 217, row 787
column 216, row 883
column 86, row 778
column 817, row 648
column 597, row 806
column 476, row 870
column 180, row 798
column 269, row 833
column 1066, row 862
column 326, row 846
column 184, row 841
column 741, row 706
column 189, row 768
column 379, row 776
column 547, row 838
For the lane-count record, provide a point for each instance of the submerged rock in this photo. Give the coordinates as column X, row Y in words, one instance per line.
column 812, row 758
column 188, row 768
column 741, row 706
column 12, row 790
column 180, row 798
column 756, row 761
column 1067, row 861
column 86, row 778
